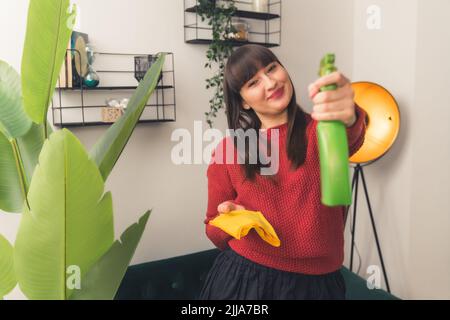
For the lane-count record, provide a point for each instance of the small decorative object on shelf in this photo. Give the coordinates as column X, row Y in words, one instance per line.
column 76, row 106
column 124, row 103
column 261, row 5
column 142, row 64
column 240, row 30
column 91, row 79
column 110, row 114
column 114, row 109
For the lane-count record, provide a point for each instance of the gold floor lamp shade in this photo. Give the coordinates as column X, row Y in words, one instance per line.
column 383, row 121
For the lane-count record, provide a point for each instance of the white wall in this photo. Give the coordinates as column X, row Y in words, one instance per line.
column 387, row 56
column 311, row 29
column 145, row 177
column 409, row 186
column 429, row 246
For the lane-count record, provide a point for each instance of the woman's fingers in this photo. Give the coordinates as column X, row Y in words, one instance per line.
column 335, row 106
column 333, row 95
column 228, row 206
column 346, row 116
column 332, row 78
column 324, row 116
column 223, row 207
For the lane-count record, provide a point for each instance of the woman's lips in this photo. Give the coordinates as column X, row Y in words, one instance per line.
column 277, row 94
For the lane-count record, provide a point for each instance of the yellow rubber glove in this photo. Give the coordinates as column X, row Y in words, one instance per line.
column 239, row 222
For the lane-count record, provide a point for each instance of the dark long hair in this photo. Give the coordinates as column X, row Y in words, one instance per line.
column 241, row 66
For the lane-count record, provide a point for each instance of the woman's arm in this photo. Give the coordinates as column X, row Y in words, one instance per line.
column 220, row 190
column 356, row 133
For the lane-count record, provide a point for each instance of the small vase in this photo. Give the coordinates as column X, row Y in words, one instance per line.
column 91, row 80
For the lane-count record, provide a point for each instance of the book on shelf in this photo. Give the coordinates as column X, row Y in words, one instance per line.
column 68, row 63
column 63, row 81
column 62, row 76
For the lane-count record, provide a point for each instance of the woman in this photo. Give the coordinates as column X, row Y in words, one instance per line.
column 259, row 94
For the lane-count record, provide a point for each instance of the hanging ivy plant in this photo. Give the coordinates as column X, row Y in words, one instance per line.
column 218, row 14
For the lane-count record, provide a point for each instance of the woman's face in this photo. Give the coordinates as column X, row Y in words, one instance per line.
column 268, row 93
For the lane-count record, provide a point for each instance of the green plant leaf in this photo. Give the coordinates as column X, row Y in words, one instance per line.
column 30, row 146
column 11, row 195
column 70, row 222
column 108, row 149
column 7, row 275
column 49, row 27
column 104, row 278
column 13, row 120
column 11, row 178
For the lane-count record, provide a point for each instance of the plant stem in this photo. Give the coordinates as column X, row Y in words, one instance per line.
column 20, row 170
column 45, row 130
column 219, row 50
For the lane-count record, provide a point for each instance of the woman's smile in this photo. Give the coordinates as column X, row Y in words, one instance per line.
column 277, row 94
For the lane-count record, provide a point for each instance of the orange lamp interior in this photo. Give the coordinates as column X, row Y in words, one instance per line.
column 382, row 122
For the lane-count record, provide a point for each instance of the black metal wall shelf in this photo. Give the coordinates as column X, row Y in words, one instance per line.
column 234, row 43
column 246, row 14
column 161, row 106
column 267, row 24
column 90, row 124
column 109, row 88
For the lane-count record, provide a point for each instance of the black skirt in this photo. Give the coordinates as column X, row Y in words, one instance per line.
column 233, row 277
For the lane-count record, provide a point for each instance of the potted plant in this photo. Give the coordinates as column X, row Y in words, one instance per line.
column 218, row 14
column 65, row 246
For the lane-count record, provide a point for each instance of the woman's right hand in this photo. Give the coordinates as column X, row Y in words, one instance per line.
column 228, row 206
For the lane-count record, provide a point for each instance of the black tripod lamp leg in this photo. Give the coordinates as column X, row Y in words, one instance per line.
column 375, row 232
column 353, row 226
column 353, row 188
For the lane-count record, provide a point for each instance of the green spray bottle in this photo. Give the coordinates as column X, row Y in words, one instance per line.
column 333, row 151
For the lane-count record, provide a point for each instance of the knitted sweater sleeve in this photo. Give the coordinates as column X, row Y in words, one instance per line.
column 220, row 189
column 356, row 133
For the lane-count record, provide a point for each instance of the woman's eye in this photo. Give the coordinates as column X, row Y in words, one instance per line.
column 273, row 67
column 251, row 84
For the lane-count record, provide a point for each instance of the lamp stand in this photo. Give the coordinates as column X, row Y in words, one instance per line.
column 358, row 171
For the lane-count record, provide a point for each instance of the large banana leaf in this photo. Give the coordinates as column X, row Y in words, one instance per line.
column 47, row 35
column 108, row 149
column 104, row 278
column 30, row 146
column 14, row 182
column 70, row 222
column 17, row 133
column 11, row 194
column 7, row 276
column 13, row 120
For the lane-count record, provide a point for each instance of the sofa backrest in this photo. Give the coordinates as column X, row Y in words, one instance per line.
column 182, row 277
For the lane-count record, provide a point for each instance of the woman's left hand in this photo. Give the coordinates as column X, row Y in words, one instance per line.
column 336, row 104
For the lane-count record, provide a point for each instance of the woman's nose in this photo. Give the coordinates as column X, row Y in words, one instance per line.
column 270, row 83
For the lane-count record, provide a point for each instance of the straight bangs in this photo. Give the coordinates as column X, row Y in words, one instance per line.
column 244, row 65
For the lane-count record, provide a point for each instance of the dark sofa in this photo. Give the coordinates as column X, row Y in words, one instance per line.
column 182, row 278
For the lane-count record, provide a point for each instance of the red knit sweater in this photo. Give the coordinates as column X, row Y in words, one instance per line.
column 311, row 234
